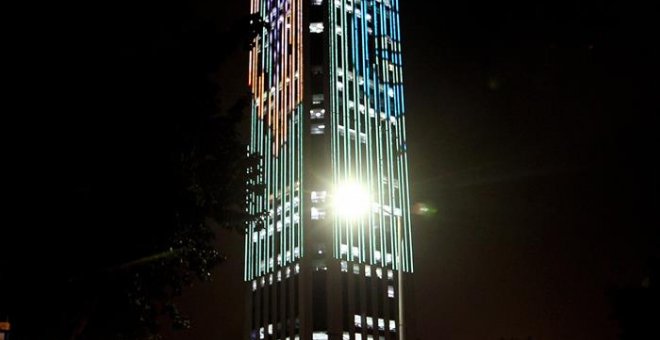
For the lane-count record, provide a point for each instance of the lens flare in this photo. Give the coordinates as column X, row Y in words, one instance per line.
column 351, row 201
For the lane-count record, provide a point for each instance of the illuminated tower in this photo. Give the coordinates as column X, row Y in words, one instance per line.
column 328, row 122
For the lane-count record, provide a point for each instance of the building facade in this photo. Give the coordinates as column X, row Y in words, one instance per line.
column 331, row 187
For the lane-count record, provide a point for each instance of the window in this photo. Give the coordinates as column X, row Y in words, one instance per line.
column 319, row 196
column 316, row 27
column 318, row 129
column 317, row 113
column 357, row 320
column 318, row 213
column 392, row 325
column 317, row 99
column 390, row 291
column 317, row 70
column 320, row 336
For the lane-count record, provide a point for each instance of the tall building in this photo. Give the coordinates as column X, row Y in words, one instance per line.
column 332, row 186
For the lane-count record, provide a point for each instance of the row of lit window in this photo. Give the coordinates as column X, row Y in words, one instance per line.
column 367, row 270
column 271, row 261
column 323, row 335
column 358, row 321
column 343, row 249
column 261, row 234
column 277, row 276
column 320, row 213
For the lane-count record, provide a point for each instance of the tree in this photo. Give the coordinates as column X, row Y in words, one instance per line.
column 138, row 165
column 638, row 308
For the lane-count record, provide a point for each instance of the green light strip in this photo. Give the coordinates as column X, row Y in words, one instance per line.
column 381, row 158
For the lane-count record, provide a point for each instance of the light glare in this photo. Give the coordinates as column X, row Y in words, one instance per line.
column 351, row 201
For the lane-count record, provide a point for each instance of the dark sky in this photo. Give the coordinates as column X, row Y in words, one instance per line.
column 532, row 131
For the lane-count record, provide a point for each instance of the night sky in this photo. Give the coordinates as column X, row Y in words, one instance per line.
column 532, row 131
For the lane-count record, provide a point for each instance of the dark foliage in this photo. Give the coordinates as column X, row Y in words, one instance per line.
column 135, row 162
column 638, row 308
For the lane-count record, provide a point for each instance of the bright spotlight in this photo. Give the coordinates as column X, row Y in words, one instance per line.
column 351, row 200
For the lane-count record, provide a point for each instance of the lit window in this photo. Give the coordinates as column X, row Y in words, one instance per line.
column 316, row 27
column 392, row 325
column 367, row 271
column 318, row 129
column 317, row 99
column 370, row 322
column 297, row 268
column 317, row 2
column 356, row 269
column 379, row 273
column 318, row 213
column 357, row 320
column 381, row 324
column 344, row 266
column 254, row 285
column 390, row 275
column 317, row 113
column 319, row 196
column 320, row 336
column 390, row 291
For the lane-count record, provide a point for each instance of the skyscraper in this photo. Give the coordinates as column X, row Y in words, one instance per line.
column 332, row 188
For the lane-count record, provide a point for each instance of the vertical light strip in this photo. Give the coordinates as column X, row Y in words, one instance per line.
column 275, row 79
column 379, row 161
